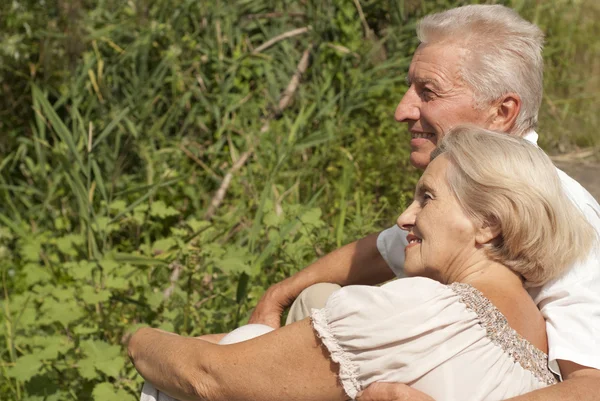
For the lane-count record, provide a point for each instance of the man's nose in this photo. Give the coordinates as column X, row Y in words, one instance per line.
column 406, row 220
column 408, row 108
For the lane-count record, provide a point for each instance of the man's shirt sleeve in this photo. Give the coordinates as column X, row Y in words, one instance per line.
column 391, row 244
column 571, row 303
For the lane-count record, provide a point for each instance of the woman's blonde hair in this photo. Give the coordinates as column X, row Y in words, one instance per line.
column 508, row 182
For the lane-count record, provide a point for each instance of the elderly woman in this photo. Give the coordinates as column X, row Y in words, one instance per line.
column 489, row 217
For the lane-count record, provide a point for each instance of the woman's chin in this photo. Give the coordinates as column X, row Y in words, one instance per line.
column 412, row 271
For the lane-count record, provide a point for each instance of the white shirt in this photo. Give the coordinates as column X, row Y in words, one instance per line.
column 570, row 304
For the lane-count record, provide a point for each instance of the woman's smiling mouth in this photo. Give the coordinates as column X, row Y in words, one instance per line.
column 413, row 240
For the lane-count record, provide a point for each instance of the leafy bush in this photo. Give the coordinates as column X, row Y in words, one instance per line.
column 121, row 121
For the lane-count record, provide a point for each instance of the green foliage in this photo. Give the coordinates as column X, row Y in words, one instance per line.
column 120, row 121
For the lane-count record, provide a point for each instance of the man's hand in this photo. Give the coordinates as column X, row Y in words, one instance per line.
column 356, row 263
column 269, row 310
column 392, row 392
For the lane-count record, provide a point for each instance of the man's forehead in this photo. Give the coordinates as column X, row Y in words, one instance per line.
column 417, row 79
column 435, row 64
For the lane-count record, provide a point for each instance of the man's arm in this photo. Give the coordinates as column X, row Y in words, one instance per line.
column 356, row 263
column 581, row 384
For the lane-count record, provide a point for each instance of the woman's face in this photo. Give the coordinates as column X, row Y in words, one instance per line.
column 442, row 238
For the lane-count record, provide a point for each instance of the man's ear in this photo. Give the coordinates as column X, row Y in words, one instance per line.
column 487, row 232
column 505, row 112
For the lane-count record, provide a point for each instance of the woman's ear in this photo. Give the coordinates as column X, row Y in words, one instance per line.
column 488, row 231
column 505, row 113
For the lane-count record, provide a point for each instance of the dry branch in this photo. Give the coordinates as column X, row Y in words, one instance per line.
column 220, row 194
column 274, row 15
column 578, row 155
column 295, row 81
column 199, row 162
column 176, row 267
column 342, row 49
column 279, row 38
column 284, row 102
column 363, row 20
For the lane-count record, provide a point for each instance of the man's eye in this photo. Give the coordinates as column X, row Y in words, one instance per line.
column 427, row 93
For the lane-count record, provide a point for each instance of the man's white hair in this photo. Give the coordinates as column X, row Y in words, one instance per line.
column 504, row 55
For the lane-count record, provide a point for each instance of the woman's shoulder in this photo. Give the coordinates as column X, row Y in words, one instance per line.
column 404, row 290
column 416, row 300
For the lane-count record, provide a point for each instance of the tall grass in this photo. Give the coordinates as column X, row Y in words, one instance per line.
column 122, row 120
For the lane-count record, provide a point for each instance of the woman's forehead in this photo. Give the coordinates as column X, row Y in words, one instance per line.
column 434, row 175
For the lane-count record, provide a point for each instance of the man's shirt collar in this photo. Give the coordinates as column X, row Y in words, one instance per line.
column 532, row 137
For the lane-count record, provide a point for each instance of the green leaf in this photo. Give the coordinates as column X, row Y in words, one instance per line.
column 103, row 224
column 99, row 179
column 160, row 210
column 92, row 296
column 242, row 288
column 57, row 124
column 271, row 219
column 236, row 260
column 66, row 244
column 102, row 356
column 117, row 206
column 312, row 217
column 64, row 312
column 109, row 265
column 26, row 367
column 116, row 283
column 154, row 299
column 83, row 330
column 35, row 273
column 197, row 225
column 111, row 367
column 30, row 250
column 179, row 232
column 53, row 346
column 82, row 270
column 107, row 392
column 100, row 350
column 86, row 368
column 163, row 245
column 110, row 127
column 167, row 326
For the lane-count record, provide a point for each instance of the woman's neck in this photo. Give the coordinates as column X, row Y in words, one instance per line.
column 504, row 288
column 483, row 272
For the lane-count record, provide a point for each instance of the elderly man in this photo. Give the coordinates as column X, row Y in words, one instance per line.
column 480, row 65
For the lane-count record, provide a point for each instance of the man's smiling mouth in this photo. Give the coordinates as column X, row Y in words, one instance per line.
column 415, row 135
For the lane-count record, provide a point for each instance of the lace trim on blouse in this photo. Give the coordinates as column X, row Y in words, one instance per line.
column 348, row 370
column 504, row 336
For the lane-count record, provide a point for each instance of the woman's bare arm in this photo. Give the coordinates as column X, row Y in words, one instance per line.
column 212, row 338
column 289, row 363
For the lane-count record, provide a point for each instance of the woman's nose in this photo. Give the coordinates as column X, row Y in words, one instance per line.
column 408, row 108
column 406, row 220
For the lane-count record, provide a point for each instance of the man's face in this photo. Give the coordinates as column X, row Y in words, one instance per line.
column 437, row 99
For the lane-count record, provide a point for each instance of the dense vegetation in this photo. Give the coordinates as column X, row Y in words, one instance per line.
column 160, row 166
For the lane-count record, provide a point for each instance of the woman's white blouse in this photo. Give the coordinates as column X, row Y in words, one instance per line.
column 447, row 341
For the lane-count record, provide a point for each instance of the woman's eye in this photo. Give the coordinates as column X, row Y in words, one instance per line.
column 427, row 197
